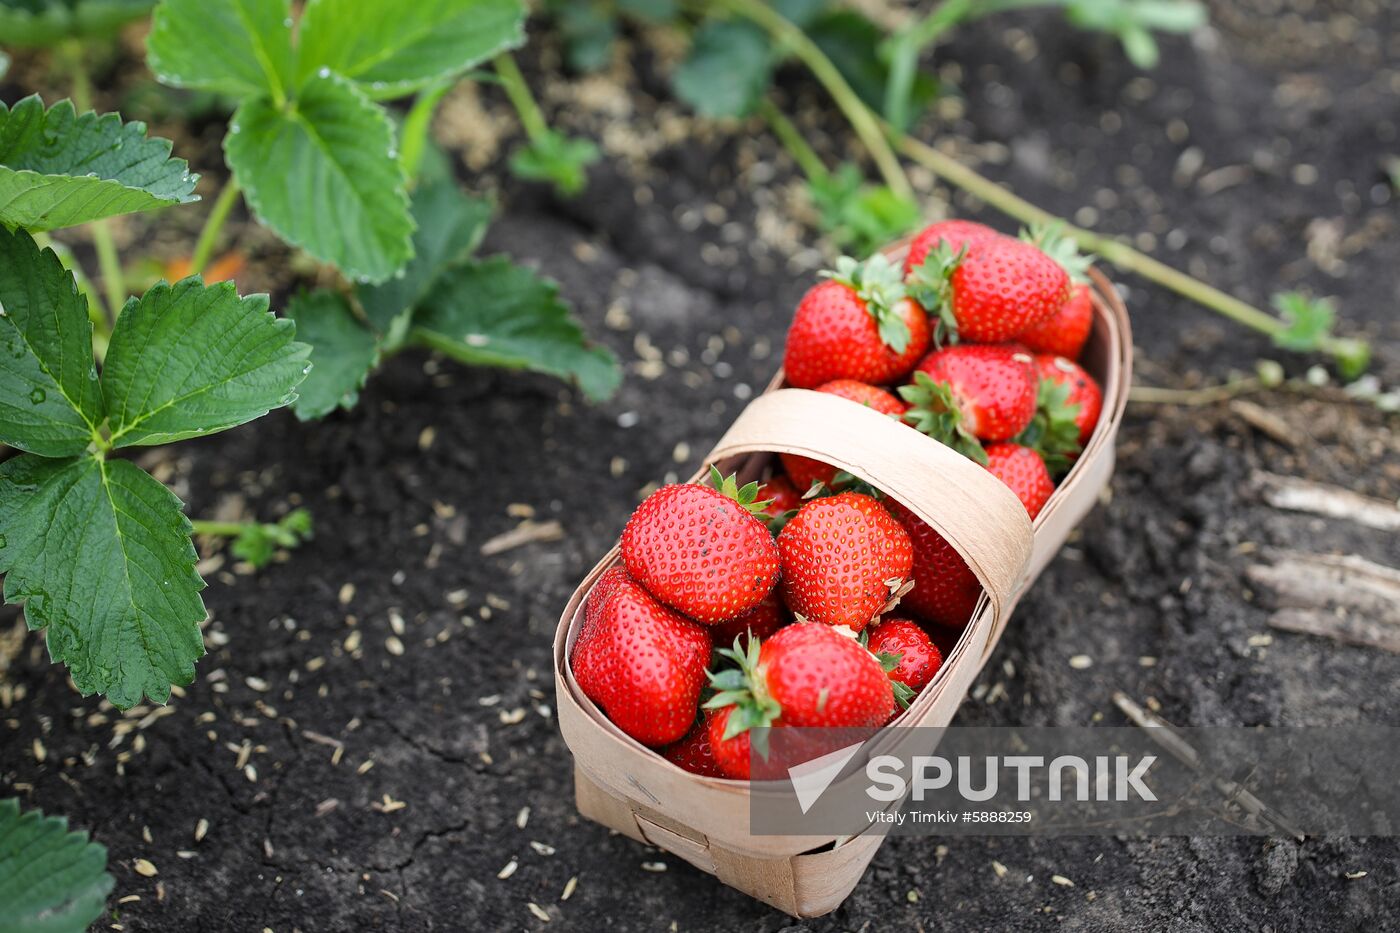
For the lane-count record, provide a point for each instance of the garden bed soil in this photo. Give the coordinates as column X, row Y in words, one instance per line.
column 370, row 740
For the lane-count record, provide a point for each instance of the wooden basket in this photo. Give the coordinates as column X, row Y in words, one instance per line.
column 632, row 789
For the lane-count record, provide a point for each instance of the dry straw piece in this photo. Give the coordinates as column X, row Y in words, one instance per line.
column 705, row 821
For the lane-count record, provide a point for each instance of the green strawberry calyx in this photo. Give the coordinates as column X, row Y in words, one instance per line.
column 1053, row 432
column 746, row 495
column 889, row 660
column 743, row 688
column 930, row 284
column 1051, row 240
column 934, row 411
column 878, row 284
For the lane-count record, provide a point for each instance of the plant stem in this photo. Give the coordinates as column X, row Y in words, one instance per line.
column 531, row 117
column 793, row 141
column 855, row 111
column 1120, row 254
column 413, row 141
column 202, row 526
column 902, row 53
column 209, row 235
column 109, row 265
column 1207, row 395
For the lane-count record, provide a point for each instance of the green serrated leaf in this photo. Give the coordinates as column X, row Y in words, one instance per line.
column 555, row 158
column 860, row 217
column 343, row 351
column 392, row 48
column 188, row 360
column 495, row 313
column 1309, row 321
column 50, row 399
column 100, row 556
column 728, row 68
column 257, row 543
column 58, row 168
column 49, row 22
column 325, row 175
column 450, row 225
column 52, row 879
column 238, row 47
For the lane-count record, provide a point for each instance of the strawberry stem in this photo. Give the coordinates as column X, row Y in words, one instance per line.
column 878, row 283
column 934, row 411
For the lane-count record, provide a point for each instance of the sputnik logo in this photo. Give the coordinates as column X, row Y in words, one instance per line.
column 811, row 778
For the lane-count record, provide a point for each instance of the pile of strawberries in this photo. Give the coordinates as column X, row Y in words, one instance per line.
column 812, row 599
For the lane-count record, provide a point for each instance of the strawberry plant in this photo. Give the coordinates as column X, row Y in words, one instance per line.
column 96, row 550
column 319, row 160
column 51, row 879
column 50, row 22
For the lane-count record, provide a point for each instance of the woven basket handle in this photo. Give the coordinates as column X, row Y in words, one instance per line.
column 981, row 518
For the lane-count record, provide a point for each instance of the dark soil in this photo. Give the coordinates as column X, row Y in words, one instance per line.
column 451, row 716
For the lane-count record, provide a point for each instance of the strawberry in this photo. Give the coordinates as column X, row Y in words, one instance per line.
column 782, row 497
column 602, row 589
column 857, row 325
column 907, row 653
column 958, row 234
column 806, row 675
column 991, row 293
column 804, row 470
column 1065, row 333
column 1083, row 392
column 964, row 394
column 759, row 622
column 1068, row 403
column 731, row 751
column 843, row 559
column 643, row 664
column 945, row 590
column 700, row 550
column 693, row 753
column 1023, row 470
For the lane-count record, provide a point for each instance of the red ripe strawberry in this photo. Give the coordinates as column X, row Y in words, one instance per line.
column 858, row 325
column 1084, row 392
column 804, row 470
column 693, row 753
column 806, row 675
column 965, row 393
column 607, row 584
column 781, row 495
column 843, row 559
column 643, row 664
column 907, row 653
column 759, row 622
column 956, row 233
column 1024, row 472
column 945, row 590
column 999, row 288
column 700, row 549
column 731, row 753
column 1065, row 333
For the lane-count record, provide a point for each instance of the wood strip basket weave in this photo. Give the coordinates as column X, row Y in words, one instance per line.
column 632, row 789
